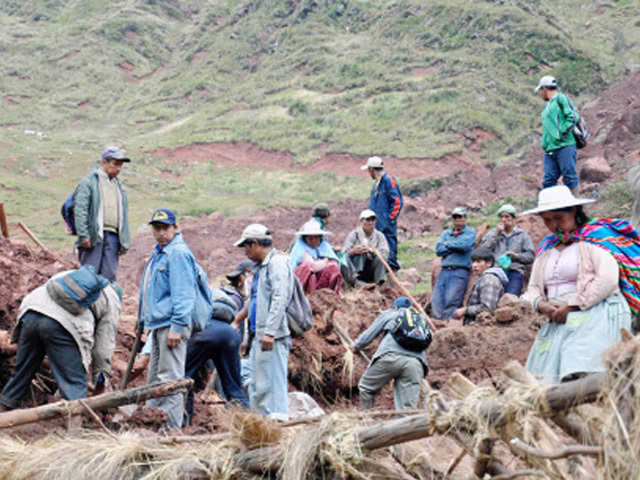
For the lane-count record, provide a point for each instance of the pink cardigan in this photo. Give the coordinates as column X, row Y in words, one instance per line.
column 598, row 277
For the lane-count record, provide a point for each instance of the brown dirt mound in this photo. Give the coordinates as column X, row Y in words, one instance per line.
column 22, row 269
column 478, row 351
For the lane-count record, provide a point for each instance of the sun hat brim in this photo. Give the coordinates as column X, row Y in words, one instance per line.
column 557, row 205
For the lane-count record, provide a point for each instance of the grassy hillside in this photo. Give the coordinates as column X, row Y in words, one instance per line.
column 407, row 78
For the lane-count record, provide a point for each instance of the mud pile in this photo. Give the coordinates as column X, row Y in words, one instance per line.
column 23, row 268
column 321, row 365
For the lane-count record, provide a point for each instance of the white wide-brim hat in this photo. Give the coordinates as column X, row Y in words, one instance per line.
column 312, row 227
column 554, row 198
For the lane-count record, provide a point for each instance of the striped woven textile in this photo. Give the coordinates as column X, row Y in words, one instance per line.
column 621, row 240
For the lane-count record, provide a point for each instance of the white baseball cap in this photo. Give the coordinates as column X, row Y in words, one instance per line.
column 367, row 214
column 373, row 162
column 255, row 231
column 312, row 227
column 546, row 81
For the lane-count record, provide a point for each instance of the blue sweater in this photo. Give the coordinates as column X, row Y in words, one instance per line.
column 455, row 250
column 300, row 247
column 168, row 287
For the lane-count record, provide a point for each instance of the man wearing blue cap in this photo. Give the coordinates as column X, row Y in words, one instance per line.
column 392, row 361
column 101, row 215
column 167, row 299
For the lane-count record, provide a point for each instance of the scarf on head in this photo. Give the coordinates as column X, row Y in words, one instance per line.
column 619, row 238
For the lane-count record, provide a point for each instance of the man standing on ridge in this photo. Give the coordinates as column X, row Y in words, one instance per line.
column 101, row 215
column 558, row 142
column 386, row 201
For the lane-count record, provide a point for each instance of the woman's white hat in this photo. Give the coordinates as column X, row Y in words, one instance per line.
column 553, row 198
column 312, row 227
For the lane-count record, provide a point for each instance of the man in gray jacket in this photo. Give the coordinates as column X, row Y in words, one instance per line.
column 358, row 246
column 391, row 362
column 512, row 248
column 101, row 215
column 74, row 344
column 270, row 295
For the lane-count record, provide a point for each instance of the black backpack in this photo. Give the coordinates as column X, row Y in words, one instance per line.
column 579, row 129
column 67, row 213
column 412, row 330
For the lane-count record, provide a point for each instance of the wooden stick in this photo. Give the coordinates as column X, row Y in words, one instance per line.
column 99, row 402
column 3, row 222
column 33, row 237
column 564, row 452
column 404, row 291
column 455, row 462
column 97, row 418
column 132, row 358
column 345, row 336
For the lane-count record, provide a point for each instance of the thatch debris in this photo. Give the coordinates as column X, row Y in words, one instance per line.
column 510, row 432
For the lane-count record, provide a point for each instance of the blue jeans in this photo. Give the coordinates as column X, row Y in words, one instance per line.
column 268, row 389
column 103, row 257
column 449, row 292
column 516, row 280
column 560, row 162
column 41, row 335
column 218, row 342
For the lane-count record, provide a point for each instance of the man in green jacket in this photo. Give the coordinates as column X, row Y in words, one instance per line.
column 101, row 215
column 558, row 143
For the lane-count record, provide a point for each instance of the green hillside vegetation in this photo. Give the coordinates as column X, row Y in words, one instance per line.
column 406, row 78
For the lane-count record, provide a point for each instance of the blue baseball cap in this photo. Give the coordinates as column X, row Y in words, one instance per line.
column 163, row 215
column 114, row 153
column 402, row 302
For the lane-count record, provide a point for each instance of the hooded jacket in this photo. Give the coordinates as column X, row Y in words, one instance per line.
column 519, row 242
column 485, row 293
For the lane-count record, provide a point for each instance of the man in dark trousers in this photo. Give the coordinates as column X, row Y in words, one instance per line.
column 558, row 142
column 386, row 201
column 101, row 215
column 72, row 319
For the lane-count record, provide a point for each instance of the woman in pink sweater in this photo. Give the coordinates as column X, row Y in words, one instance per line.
column 575, row 282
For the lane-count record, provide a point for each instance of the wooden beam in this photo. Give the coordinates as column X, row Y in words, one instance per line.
column 66, row 408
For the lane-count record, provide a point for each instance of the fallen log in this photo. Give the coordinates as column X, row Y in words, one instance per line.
column 66, row 408
column 557, row 398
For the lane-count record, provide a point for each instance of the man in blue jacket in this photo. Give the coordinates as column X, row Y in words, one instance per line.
column 101, row 215
column 455, row 246
column 386, row 201
column 167, row 297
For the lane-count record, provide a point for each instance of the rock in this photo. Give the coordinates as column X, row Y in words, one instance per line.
column 410, row 275
column 302, row 405
column 507, row 314
column 595, row 169
column 508, row 300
